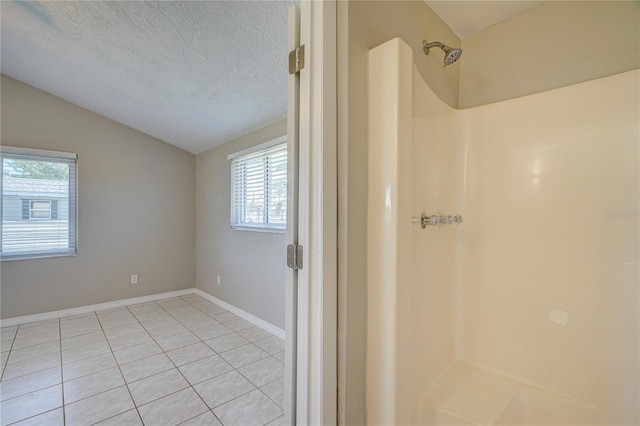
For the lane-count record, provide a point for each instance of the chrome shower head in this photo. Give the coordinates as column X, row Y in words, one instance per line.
column 451, row 54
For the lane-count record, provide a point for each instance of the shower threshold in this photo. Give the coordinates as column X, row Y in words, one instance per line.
column 465, row 394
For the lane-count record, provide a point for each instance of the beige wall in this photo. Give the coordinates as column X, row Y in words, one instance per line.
column 251, row 264
column 367, row 24
column 552, row 45
column 135, row 208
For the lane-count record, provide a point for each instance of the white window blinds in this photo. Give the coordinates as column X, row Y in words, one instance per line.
column 38, row 203
column 259, row 188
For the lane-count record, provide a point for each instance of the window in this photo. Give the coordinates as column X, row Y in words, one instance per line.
column 39, row 209
column 259, row 186
column 38, row 203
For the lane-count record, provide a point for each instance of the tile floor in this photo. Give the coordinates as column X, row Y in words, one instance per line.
column 174, row 361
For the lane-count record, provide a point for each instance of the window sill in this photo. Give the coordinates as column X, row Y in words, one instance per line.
column 258, row 229
column 35, row 256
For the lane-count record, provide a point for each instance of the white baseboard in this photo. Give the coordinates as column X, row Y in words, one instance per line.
column 91, row 308
column 242, row 314
column 135, row 300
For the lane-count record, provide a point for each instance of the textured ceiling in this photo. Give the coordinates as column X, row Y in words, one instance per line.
column 193, row 74
column 468, row 17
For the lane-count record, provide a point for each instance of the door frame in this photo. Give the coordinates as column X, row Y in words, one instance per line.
column 316, row 392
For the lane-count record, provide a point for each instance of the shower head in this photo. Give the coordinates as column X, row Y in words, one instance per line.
column 451, row 54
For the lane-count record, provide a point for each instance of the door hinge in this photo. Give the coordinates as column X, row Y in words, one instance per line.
column 294, row 256
column 296, row 60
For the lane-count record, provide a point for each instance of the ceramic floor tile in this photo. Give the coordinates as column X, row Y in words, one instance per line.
column 22, row 368
column 204, row 369
column 92, row 384
column 204, row 419
column 223, row 388
column 47, row 328
column 166, row 330
column 187, row 315
column 114, row 322
column 90, row 316
column 84, row 352
column 86, row 366
column 83, row 340
column 173, row 409
column 171, row 303
column 22, row 407
column 278, row 422
column 157, row 386
column 98, row 407
column 254, row 333
column 141, row 308
column 187, row 354
column 254, row 408
column 129, row 340
column 5, row 344
column 50, row 418
column 30, row 383
column 226, row 342
column 225, row 316
column 124, row 330
column 212, row 332
column 275, row 391
column 264, row 371
column 8, row 334
column 135, row 353
column 146, row 367
column 239, row 324
column 128, row 418
column 199, row 323
column 157, row 314
column 279, row 356
column 210, row 309
column 35, row 351
column 77, row 329
column 271, row 345
column 118, row 310
column 243, row 355
column 35, row 339
column 39, row 323
column 177, row 341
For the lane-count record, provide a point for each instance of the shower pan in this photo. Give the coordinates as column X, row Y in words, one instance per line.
column 525, row 310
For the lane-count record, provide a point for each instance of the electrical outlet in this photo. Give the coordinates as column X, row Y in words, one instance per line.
column 218, row 279
column 134, row 279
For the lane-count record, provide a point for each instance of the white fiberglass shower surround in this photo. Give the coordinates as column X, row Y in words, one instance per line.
column 527, row 311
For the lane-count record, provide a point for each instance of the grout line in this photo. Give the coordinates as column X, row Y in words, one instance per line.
column 121, row 375
column 4, row 367
column 64, row 414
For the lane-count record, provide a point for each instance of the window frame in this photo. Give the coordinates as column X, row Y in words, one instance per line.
column 46, row 156
column 265, row 226
column 31, row 210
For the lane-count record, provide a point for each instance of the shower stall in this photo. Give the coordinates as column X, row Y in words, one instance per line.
column 525, row 309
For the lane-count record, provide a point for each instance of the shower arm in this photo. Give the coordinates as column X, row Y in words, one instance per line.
column 426, row 46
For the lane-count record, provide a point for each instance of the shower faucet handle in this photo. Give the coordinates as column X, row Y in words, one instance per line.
column 436, row 220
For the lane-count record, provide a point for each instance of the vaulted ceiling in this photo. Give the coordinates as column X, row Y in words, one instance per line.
column 193, row 74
